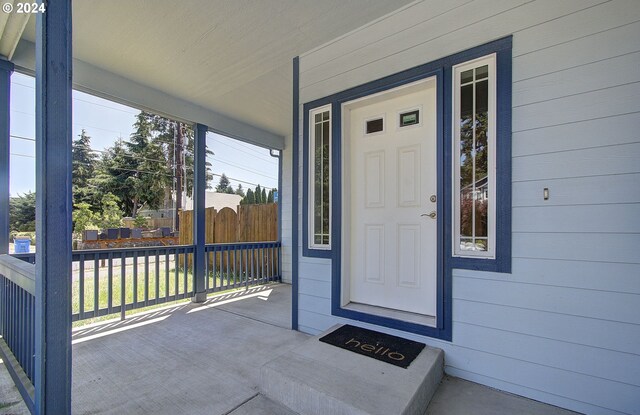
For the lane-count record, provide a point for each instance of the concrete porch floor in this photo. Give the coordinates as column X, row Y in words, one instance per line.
column 206, row 359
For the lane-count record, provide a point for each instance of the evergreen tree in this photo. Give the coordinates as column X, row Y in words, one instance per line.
column 83, row 170
column 151, row 176
column 263, row 198
column 258, row 195
column 111, row 214
column 83, row 217
column 22, row 212
column 250, row 198
column 270, row 197
column 240, row 191
column 224, row 185
column 113, row 173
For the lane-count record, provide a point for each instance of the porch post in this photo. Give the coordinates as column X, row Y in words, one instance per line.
column 199, row 188
column 53, row 210
column 6, row 69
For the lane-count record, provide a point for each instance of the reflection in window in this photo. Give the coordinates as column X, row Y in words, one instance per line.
column 320, row 149
column 475, row 120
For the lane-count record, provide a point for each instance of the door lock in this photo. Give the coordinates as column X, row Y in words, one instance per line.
column 433, row 198
column 432, row 215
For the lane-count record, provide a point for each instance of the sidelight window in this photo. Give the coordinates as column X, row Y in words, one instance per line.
column 320, row 178
column 474, row 144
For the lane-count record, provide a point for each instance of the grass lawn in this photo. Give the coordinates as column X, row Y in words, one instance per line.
column 166, row 286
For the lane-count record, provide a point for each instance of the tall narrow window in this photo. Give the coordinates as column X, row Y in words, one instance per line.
column 319, row 177
column 474, row 153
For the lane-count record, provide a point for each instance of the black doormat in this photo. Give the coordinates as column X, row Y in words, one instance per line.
column 390, row 349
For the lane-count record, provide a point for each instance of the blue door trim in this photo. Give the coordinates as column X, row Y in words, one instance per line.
column 442, row 70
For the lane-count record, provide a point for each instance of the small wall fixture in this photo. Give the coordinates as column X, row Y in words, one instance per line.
column 545, row 193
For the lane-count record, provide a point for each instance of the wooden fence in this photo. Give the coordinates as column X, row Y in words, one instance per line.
column 252, row 223
column 152, row 223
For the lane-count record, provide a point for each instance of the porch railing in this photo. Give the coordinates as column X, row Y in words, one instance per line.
column 17, row 323
column 234, row 265
column 105, row 279
column 110, row 281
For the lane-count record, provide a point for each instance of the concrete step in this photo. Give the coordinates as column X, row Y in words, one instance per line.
column 316, row 378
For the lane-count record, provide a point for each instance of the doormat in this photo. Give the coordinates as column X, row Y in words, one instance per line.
column 390, row 349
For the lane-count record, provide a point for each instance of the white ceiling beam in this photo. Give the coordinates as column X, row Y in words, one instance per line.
column 105, row 84
column 11, row 27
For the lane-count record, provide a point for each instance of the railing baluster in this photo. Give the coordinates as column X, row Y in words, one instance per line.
column 96, row 285
column 261, row 255
column 123, row 284
column 215, row 267
column 19, row 326
column 235, row 275
column 253, row 267
column 272, row 259
column 81, row 288
column 243, row 275
column 157, row 275
column 184, row 273
column 206, row 270
column 176, row 263
column 30, row 339
column 110, row 283
column 228, row 258
column 146, row 277
column 135, row 279
column 166, row 275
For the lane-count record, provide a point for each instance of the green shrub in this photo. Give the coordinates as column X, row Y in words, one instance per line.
column 140, row 221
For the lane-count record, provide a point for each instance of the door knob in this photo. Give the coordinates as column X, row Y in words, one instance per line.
column 432, row 215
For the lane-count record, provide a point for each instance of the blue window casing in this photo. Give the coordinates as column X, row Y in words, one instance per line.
column 446, row 262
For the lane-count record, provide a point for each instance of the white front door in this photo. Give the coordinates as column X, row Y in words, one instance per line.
column 390, row 167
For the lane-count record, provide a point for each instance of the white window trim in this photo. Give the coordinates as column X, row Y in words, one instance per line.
column 490, row 253
column 310, row 187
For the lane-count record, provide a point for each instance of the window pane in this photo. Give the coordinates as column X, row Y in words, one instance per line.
column 466, row 137
column 473, row 113
column 466, row 76
column 325, row 179
column 481, row 162
column 317, row 179
column 482, row 72
column 321, row 153
column 374, row 126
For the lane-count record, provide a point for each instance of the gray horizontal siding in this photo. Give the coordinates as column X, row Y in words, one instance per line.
column 599, row 276
column 564, row 326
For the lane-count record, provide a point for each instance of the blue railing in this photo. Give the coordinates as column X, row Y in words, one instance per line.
column 234, row 265
column 17, row 323
column 103, row 280
column 109, row 281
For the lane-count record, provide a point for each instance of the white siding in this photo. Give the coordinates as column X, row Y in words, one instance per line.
column 564, row 326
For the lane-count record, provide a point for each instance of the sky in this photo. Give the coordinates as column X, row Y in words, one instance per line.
column 105, row 121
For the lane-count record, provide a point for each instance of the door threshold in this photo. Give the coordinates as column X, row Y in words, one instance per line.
column 407, row 316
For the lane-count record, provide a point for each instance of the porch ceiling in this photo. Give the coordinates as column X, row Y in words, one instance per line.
column 231, row 58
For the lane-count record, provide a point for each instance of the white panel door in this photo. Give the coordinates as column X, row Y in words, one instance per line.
column 392, row 190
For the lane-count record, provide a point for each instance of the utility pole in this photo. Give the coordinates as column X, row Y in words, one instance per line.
column 179, row 159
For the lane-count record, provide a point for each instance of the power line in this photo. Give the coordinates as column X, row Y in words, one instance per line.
column 163, row 161
column 19, row 137
column 84, row 100
column 255, row 154
column 244, row 168
column 23, row 155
